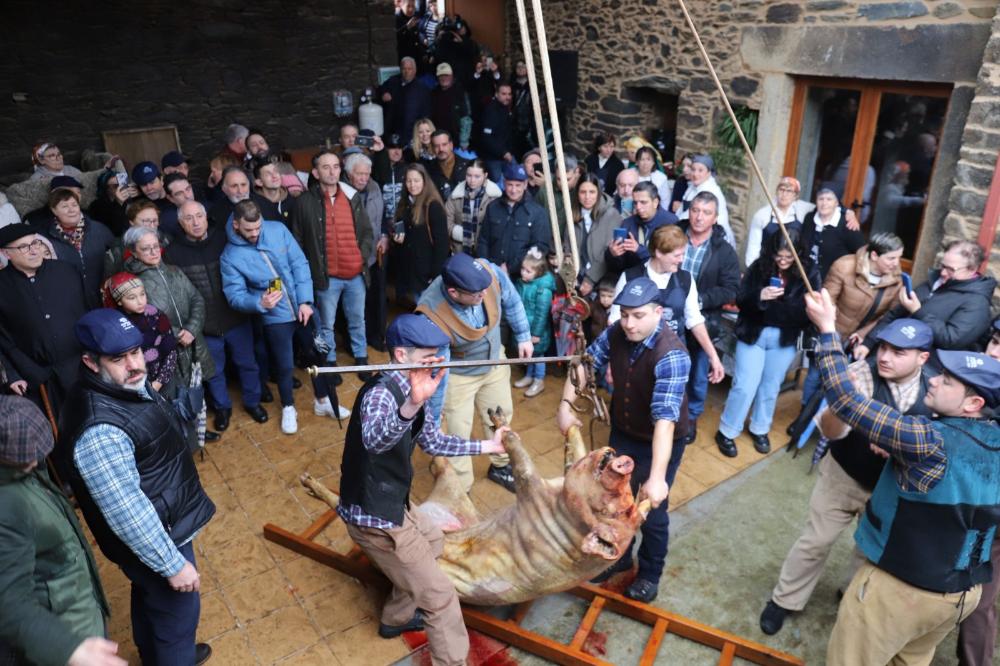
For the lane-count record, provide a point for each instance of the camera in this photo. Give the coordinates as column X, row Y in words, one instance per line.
column 364, row 141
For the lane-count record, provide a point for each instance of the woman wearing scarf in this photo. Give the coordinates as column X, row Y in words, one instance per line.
column 79, row 241
column 467, row 206
column 596, row 220
column 48, row 163
column 702, row 179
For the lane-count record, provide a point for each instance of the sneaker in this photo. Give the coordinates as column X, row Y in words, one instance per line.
column 325, row 408
column 416, row 623
column 536, row 387
column 503, row 476
column 289, row 420
column 772, row 617
column 642, row 590
column 523, row 382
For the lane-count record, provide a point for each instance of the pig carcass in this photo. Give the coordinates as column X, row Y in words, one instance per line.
column 558, row 533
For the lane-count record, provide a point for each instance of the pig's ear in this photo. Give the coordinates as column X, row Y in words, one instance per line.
column 601, row 542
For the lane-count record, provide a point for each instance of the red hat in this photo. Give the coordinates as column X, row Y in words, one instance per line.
column 116, row 286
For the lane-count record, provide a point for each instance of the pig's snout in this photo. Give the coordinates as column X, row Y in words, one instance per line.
column 623, row 465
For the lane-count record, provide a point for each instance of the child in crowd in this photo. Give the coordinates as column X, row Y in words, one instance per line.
column 159, row 346
column 536, row 287
column 601, row 305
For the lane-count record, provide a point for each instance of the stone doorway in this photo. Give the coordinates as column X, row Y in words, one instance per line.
column 655, row 100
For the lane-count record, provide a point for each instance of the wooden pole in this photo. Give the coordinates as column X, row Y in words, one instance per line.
column 543, row 49
column 746, row 146
column 529, row 63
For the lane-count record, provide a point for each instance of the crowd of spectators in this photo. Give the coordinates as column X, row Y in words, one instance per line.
column 260, row 268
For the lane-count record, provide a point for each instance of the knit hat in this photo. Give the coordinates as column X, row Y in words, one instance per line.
column 116, row 286
column 25, row 434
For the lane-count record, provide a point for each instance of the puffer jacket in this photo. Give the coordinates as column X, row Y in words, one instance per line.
column 453, row 210
column 847, row 282
column 173, row 294
column 958, row 311
column 537, row 299
column 308, row 225
column 200, row 261
column 246, row 274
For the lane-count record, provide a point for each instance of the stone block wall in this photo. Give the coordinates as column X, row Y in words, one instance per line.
column 88, row 67
column 626, row 46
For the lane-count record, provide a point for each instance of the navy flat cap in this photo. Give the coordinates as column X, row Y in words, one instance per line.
column 463, row 272
column 638, row 292
column 108, row 332
column 415, row 330
column 907, row 334
column 978, row 371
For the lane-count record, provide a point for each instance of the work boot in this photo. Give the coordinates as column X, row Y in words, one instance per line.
column 265, row 393
column 503, row 476
column 772, row 617
column 642, row 590
column 221, row 421
column 202, row 653
column 257, row 413
column 416, row 623
column 761, row 442
column 727, row 447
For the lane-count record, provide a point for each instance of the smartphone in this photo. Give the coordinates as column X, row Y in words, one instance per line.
column 539, row 169
column 776, row 283
column 274, row 285
column 907, row 283
column 122, row 179
column 620, row 234
column 364, row 141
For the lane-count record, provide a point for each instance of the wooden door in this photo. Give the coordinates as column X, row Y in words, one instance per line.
column 487, row 18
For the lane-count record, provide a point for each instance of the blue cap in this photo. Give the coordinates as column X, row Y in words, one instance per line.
column 996, row 325
column 415, row 330
column 907, row 334
column 174, row 158
column 108, row 332
column 353, row 150
column 514, row 171
column 638, row 292
column 64, row 181
column 978, row 371
column 463, row 272
column 145, row 173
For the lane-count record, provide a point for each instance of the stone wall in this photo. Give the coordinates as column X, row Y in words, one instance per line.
column 629, row 47
column 977, row 158
column 199, row 65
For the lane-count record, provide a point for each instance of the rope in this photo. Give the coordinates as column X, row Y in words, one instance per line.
column 746, row 146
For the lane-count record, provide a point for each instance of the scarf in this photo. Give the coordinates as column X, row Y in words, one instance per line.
column 74, row 237
column 470, row 217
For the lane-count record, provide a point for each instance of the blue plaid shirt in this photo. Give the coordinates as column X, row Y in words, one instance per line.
column 105, row 457
column 671, row 373
column 694, row 255
column 382, row 426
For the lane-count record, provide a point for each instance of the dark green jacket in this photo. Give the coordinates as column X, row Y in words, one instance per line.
column 50, row 594
column 308, row 224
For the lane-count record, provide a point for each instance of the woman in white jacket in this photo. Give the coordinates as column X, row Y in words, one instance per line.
column 703, row 180
column 467, row 206
column 792, row 210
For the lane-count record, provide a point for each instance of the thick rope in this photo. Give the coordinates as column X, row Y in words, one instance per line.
column 746, row 146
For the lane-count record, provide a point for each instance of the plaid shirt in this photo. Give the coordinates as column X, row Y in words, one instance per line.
column 904, row 394
column 916, row 446
column 671, row 373
column 105, row 456
column 381, row 428
column 694, row 255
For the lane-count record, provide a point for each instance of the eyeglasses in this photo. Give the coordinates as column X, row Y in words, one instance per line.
column 784, row 258
column 148, row 249
column 51, row 156
column 950, row 269
column 786, row 188
column 36, row 245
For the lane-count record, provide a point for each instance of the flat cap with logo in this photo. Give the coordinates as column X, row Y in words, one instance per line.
column 145, row 173
column 108, row 332
column 979, row 372
column 514, row 171
column 907, row 334
column 638, row 292
column 415, row 330
column 463, row 272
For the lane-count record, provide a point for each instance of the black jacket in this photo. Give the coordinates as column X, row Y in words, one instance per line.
column 787, row 313
column 497, row 136
column 200, row 260
column 608, row 174
column 958, row 312
column 446, row 185
column 89, row 261
column 219, row 212
column 410, row 102
column 719, row 280
column 37, row 318
column 506, row 234
column 833, row 243
column 425, row 248
column 448, row 107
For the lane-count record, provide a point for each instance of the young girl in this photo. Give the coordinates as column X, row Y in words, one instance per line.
column 159, row 346
column 536, row 288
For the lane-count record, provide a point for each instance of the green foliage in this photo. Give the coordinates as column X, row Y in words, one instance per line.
column 728, row 152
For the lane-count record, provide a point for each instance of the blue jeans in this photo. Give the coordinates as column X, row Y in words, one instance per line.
column 697, row 382
column 757, row 377
column 494, row 170
column 238, row 341
column 656, row 529
column 164, row 622
column 353, row 292
column 279, row 344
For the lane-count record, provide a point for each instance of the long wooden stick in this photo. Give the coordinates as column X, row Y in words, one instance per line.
column 543, row 50
column 387, row 367
column 550, row 198
column 746, row 146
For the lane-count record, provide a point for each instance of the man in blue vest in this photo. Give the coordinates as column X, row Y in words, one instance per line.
column 388, row 421
column 932, row 518
column 649, row 367
column 467, row 301
column 895, row 376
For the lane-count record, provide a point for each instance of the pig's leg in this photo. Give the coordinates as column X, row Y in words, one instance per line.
column 575, row 448
column 525, row 474
column 320, row 491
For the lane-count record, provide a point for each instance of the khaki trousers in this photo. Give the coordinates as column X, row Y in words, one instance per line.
column 836, row 501
column 883, row 620
column 407, row 556
column 466, row 395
